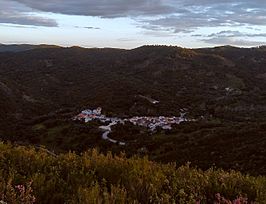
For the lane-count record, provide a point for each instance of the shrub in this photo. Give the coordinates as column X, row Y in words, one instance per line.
column 28, row 175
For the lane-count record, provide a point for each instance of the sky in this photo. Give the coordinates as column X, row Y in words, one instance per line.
column 132, row 23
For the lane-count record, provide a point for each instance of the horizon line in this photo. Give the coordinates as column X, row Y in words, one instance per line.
column 154, row 45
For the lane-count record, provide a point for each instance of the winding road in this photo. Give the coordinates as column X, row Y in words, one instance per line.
column 107, row 130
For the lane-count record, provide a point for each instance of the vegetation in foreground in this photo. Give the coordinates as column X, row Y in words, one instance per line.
column 226, row 145
column 30, row 175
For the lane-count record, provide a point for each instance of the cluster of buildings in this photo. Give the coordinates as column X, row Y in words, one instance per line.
column 89, row 115
column 152, row 123
column 95, row 114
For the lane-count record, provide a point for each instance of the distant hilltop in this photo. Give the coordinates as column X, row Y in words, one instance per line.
column 23, row 47
column 26, row 47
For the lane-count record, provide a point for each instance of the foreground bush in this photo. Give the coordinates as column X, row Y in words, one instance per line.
column 29, row 176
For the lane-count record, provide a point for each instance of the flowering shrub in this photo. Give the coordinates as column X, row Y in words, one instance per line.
column 18, row 194
column 29, row 176
column 221, row 200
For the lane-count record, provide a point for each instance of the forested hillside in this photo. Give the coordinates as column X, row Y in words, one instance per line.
column 223, row 89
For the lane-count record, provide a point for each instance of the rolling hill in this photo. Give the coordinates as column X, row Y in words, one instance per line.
column 42, row 87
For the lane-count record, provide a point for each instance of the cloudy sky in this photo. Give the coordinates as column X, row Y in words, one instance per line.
column 132, row 23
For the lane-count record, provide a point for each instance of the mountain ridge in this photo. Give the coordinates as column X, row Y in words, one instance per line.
column 24, row 47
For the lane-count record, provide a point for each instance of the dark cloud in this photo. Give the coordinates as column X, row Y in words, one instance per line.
column 213, row 15
column 226, row 33
column 230, row 34
column 232, row 41
column 24, row 19
column 232, row 37
column 93, row 28
column 14, row 13
column 101, row 8
column 88, row 27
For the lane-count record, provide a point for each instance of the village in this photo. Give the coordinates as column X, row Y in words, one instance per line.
column 152, row 123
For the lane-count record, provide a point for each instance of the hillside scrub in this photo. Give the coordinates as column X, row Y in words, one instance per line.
column 30, row 175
